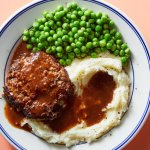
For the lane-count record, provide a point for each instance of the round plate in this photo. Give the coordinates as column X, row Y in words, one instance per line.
column 139, row 74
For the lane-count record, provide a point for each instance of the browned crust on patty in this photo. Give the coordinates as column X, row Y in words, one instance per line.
column 38, row 86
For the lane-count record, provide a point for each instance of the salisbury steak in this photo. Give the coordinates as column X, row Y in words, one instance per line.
column 38, row 86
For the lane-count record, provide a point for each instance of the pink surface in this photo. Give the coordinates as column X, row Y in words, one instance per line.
column 138, row 11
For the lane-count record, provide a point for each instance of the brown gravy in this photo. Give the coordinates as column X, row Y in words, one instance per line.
column 87, row 107
column 15, row 118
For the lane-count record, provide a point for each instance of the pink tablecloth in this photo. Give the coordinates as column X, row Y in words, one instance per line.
column 138, row 11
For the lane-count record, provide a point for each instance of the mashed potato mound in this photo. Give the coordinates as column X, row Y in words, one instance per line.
column 80, row 72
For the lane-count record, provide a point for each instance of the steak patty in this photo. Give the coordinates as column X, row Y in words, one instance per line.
column 38, row 86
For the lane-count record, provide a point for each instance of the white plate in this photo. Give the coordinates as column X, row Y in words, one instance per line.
column 140, row 75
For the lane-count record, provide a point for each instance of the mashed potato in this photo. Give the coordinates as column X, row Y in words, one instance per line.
column 80, row 72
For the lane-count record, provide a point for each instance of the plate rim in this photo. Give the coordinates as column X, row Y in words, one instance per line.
column 124, row 17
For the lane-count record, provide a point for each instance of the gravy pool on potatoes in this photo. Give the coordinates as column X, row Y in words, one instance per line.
column 87, row 107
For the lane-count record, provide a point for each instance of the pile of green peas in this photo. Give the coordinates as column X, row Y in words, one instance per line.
column 75, row 32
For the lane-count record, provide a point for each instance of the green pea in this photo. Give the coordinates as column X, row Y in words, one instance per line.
column 107, row 36
column 68, row 49
column 51, row 23
column 93, row 55
column 33, row 39
column 59, row 55
column 77, row 50
column 83, row 49
column 116, row 52
column 73, row 17
column 102, row 43
column 59, row 49
column 91, row 21
column 71, row 55
column 71, row 39
column 73, row 45
column 62, row 62
column 81, row 39
column 109, row 45
column 45, row 13
column 40, row 45
column 73, row 5
column 98, row 28
column 25, row 38
column 80, row 13
column 104, row 18
column 114, row 46
column 89, row 45
column 37, row 33
column 119, row 42
column 118, row 35
column 74, row 30
column 80, row 32
column 29, row 46
column 41, row 27
column 88, row 30
column 36, row 24
column 95, row 44
column 99, row 21
column 46, row 28
column 26, row 33
column 99, row 15
column 127, row 51
column 57, row 43
column 70, row 33
column 43, row 20
column 52, row 32
column 122, row 53
column 124, row 60
column 111, row 23
column 46, row 34
column 86, row 34
column 105, row 31
column 35, row 49
column 118, row 47
column 76, row 24
column 57, row 16
column 93, row 15
column 48, row 50
column 59, row 8
column 65, row 26
column 65, row 38
column 78, row 44
column 59, row 34
column 87, row 13
column 65, row 31
column 68, row 61
column 75, row 12
column 53, row 49
column 105, row 26
column 55, row 36
column 83, row 18
column 82, row 23
column 124, row 46
column 113, row 31
column 45, row 44
column 42, row 37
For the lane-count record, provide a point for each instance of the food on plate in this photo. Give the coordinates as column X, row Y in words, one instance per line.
column 66, row 82
column 103, row 90
column 38, row 86
column 73, row 32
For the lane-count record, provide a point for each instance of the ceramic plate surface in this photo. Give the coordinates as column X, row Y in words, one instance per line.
column 139, row 73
